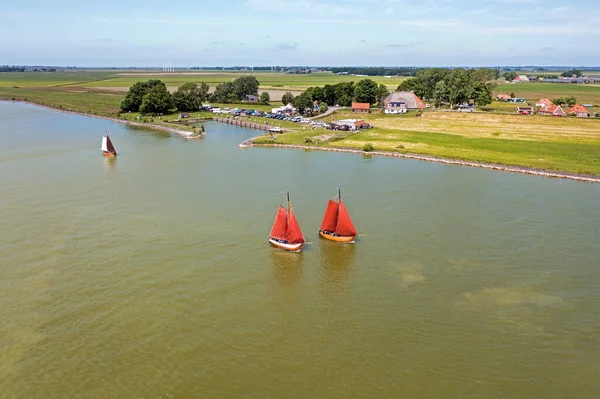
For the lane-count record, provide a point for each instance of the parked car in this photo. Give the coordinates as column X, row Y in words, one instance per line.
column 216, row 110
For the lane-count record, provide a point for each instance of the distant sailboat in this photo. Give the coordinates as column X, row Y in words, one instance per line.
column 337, row 225
column 108, row 150
column 286, row 233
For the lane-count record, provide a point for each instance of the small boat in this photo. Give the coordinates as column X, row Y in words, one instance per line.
column 286, row 233
column 108, row 149
column 337, row 225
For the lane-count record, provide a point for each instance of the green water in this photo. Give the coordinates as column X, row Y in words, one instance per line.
column 150, row 275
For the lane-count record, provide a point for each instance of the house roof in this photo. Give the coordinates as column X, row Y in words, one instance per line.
column 408, row 97
column 505, row 96
column 545, row 101
column 578, row 109
column 552, row 109
column 524, row 108
column 361, row 106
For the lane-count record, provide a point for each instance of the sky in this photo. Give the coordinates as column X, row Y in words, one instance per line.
column 135, row 33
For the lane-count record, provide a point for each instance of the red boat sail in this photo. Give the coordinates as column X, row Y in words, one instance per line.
column 286, row 233
column 337, row 225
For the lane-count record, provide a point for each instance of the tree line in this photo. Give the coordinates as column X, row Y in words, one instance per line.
column 152, row 96
column 453, row 86
column 376, row 71
column 342, row 94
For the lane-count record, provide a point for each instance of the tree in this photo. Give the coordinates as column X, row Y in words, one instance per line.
column 558, row 101
column 203, row 91
column 365, row 91
column 427, row 79
column 322, row 108
column 512, row 95
column 188, row 97
column 510, row 76
column 287, row 98
column 482, row 94
column 412, row 84
column 136, row 93
column 459, row 86
column 245, row 85
column 570, row 101
column 316, row 93
column 224, row 93
column 381, row 93
column 344, row 101
column 329, row 95
column 485, row 75
column 303, row 103
column 440, row 93
column 265, row 98
column 572, row 72
column 157, row 100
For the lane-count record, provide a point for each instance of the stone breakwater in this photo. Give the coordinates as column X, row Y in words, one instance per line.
column 503, row 168
column 108, row 118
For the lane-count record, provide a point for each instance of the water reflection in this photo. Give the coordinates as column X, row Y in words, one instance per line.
column 109, row 162
column 287, row 267
column 337, row 260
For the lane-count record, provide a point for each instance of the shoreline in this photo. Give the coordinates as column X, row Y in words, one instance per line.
column 429, row 158
column 108, row 118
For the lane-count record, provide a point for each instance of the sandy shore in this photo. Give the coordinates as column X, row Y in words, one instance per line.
column 183, row 133
column 503, row 168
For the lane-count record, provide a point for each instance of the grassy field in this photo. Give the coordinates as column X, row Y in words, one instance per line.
column 588, row 94
column 559, row 144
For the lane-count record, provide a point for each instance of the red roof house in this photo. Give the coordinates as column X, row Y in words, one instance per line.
column 543, row 102
column 361, row 107
column 553, row 110
column 580, row 111
column 503, row 97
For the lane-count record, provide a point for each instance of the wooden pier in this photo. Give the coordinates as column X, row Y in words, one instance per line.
column 244, row 123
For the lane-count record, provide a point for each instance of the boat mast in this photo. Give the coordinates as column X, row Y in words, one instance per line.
column 340, row 194
column 288, row 204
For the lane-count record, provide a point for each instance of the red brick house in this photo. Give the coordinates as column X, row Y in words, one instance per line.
column 553, row 110
column 361, row 108
column 579, row 111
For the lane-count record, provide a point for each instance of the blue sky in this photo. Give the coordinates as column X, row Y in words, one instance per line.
column 301, row 32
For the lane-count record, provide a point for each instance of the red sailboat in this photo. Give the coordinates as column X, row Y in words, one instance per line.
column 337, row 225
column 108, row 149
column 285, row 233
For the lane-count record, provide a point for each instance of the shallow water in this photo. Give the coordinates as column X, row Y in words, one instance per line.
column 150, row 276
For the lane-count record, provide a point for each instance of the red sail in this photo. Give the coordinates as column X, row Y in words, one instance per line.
column 294, row 235
column 331, row 217
column 279, row 228
column 109, row 145
column 344, row 223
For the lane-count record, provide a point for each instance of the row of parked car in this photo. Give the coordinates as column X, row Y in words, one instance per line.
column 262, row 114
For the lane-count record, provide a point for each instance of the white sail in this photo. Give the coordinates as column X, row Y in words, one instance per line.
column 104, row 146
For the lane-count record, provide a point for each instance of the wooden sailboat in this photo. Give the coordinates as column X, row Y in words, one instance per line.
column 286, row 233
column 108, row 150
column 337, row 225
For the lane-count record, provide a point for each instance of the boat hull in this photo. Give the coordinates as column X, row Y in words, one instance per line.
column 109, row 154
column 287, row 247
column 346, row 239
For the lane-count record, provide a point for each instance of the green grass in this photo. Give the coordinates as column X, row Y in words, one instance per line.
column 534, row 91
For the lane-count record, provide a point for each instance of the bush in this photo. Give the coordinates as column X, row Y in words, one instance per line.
column 308, row 140
column 368, row 147
column 13, row 99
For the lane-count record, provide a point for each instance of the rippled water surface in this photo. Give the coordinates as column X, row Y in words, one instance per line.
column 150, row 275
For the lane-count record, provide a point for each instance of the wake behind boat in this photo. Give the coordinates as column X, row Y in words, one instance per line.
column 108, row 150
column 337, row 225
column 286, row 233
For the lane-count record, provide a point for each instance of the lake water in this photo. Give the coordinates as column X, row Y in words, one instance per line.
column 150, row 275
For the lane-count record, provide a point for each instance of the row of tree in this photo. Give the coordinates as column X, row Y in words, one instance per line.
column 453, row 86
column 570, row 101
column 152, row 96
column 343, row 94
